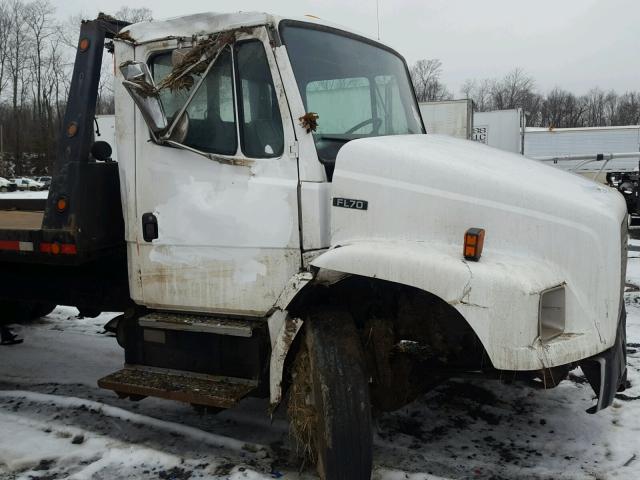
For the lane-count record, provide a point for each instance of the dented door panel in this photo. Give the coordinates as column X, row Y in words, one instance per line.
column 228, row 237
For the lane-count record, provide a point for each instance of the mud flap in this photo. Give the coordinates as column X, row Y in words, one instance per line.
column 607, row 371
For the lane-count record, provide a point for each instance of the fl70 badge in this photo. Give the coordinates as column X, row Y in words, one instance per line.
column 350, row 203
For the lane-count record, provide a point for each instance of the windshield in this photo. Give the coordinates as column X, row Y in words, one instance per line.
column 356, row 88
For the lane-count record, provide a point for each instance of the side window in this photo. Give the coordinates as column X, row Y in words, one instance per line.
column 212, row 126
column 259, row 113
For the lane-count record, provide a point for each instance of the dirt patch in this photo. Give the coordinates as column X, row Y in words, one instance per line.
column 44, row 465
column 470, row 392
column 224, row 469
column 175, row 473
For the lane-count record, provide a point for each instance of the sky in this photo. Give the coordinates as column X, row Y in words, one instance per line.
column 572, row 44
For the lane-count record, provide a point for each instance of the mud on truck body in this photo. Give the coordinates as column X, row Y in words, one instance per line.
column 278, row 224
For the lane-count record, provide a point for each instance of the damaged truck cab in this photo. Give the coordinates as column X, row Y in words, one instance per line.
column 290, row 228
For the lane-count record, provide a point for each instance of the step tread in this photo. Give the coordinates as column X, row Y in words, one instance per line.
column 221, row 392
column 199, row 323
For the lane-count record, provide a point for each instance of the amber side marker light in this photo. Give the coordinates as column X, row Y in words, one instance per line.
column 61, row 204
column 473, row 243
column 72, row 129
column 84, row 44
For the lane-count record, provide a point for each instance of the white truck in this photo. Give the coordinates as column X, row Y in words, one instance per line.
column 448, row 117
column 282, row 227
column 608, row 155
column 503, row 129
column 563, row 146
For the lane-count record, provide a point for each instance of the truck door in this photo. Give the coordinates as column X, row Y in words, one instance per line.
column 224, row 208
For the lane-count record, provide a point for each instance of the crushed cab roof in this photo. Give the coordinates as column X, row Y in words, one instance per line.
column 189, row 25
column 210, row 22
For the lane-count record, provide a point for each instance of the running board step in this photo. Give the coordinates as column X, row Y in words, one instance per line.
column 199, row 323
column 194, row 388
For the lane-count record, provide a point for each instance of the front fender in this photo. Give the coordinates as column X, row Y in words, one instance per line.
column 498, row 296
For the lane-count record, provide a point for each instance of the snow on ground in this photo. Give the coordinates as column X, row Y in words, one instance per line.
column 55, row 423
column 24, row 194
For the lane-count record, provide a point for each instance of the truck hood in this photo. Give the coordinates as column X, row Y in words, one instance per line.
column 434, row 187
column 425, row 191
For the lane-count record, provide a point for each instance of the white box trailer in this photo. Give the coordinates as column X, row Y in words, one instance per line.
column 448, row 117
column 541, row 143
column 500, row 129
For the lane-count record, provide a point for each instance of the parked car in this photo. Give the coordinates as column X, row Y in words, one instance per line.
column 46, row 181
column 7, row 185
column 29, row 184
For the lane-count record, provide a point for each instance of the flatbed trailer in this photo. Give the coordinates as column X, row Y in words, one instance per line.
column 71, row 244
column 21, row 220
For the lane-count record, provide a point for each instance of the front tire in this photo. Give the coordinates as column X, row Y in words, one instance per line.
column 329, row 404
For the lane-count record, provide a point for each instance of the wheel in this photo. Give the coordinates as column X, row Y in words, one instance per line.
column 4, row 189
column 329, row 407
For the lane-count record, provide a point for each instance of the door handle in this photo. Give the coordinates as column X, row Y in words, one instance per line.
column 149, row 226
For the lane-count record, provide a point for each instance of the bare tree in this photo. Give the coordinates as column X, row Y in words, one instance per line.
column 611, row 107
column 18, row 45
column 40, row 25
column 628, row 111
column 36, row 61
column 515, row 90
column 134, row 15
column 562, row 109
column 105, row 103
column 480, row 92
column 5, row 31
column 425, row 75
column 595, row 114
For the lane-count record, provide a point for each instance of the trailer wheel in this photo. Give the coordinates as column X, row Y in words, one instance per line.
column 329, row 407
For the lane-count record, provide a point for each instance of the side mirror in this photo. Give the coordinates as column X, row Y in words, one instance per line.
column 101, row 150
column 141, row 87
